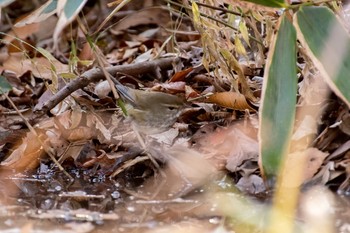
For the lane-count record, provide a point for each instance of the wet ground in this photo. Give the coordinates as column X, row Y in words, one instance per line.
column 142, row 201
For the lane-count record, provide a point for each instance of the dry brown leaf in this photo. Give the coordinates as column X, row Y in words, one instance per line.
column 229, row 147
column 76, row 127
column 80, row 133
column 22, row 32
column 340, row 150
column 173, row 87
column 186, row 170
column 17, row 46
column 27, row 155
column 181, row 75
column 103, row 134
column 243, row 148
column 39, row 66
column 229, row 99
column 63, row 121
column 86, row 53
column 345, row 123
column 313, row 89
column 75, row 118
column 306, row 128
column 190, row 92
column 41, row 30
column 308, row 162
column 315, row 160
column 166, row 137
column 72, row 151
column 152, row 15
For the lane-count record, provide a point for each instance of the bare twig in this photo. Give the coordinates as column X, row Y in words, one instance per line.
column 96, row 74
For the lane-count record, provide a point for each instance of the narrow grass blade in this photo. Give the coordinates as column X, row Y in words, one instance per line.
column 269, row 3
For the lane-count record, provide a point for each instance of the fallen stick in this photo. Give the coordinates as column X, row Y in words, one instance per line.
column 96, row 74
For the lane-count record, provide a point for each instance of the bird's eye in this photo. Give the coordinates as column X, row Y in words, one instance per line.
column 171, row 108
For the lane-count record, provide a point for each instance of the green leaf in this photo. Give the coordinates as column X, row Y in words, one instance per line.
column 328, row 45
column 277, row 111
column 269, row 3
column 42, row 13
column 67, row 11
column 72, row 8
column 4, row 85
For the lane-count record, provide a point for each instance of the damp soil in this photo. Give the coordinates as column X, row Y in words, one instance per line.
column 134, row 201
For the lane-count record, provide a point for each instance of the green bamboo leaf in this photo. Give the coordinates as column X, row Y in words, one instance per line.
column 277, row 111
column 328, row 45
column 40, row 14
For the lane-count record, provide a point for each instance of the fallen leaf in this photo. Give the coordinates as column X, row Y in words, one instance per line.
column 190, row 92
column 306, row 128
column 39, row 66
column 186, row 170
column 340, row 150
column 152, row 15
column 166, row 137
column 232, row 100
column 171, row 87
column 301, row 166
column 181, row 75
column 27, row 155
column 229, row 147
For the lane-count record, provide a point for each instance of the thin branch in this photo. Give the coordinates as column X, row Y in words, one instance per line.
column 96, row 74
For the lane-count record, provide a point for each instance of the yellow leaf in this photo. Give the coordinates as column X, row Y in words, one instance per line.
column 196, row 14
column 244, row 31
column 239, row 47
column 68, row 75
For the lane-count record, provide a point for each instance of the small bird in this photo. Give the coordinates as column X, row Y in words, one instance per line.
column 151, row 112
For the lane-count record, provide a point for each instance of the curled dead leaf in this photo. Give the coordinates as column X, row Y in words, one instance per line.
column 181, row 75
column 228, row 147
column 229, row 99
column 26, row 156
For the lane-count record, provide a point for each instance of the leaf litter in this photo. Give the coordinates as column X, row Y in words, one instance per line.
column 119, row 184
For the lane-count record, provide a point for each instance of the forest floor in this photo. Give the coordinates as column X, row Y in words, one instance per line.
column 71, row 161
